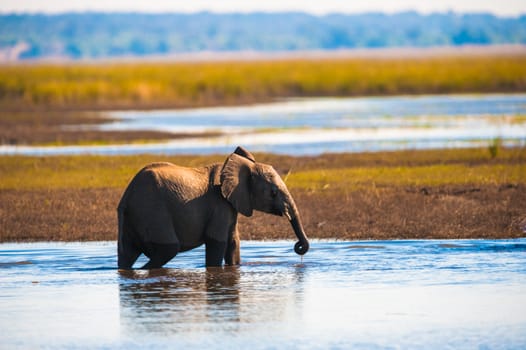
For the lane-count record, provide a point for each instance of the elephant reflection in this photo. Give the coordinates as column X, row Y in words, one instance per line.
column 170, row 301
column 174, row 301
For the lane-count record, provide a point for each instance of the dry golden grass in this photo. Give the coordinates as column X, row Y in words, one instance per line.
column 330, row 172
column 183, row 84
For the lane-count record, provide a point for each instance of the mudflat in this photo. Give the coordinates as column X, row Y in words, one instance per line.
column 462, row 193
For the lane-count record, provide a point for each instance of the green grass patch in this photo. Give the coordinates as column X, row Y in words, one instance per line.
column 79, row 171
column 430, row 175
column 326, row 172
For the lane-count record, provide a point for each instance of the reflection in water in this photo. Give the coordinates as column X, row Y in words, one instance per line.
column 172, row 302
column 370, row 295
column 166, row 301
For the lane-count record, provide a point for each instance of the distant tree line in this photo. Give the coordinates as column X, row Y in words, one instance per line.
column 99, row 35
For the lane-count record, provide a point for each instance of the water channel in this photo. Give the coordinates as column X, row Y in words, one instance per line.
column 432, row 294
column 313, row 126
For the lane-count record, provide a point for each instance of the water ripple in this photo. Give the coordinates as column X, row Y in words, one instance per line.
column 365, row 294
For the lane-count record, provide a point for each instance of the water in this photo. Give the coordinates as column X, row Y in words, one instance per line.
column 467, row 294
column 318, row 125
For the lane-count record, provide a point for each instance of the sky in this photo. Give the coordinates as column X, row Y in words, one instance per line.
column 497, row 7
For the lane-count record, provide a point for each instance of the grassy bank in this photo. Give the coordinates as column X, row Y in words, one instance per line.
column 414, row 194
column 153, row 85
column 338, row 172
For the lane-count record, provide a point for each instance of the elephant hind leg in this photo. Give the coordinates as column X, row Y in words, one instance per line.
column 128, row 258
column 127, row 250
column 160, row 254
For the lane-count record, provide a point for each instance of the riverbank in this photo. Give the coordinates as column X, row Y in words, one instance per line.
column 59, row 128
column 457, row 193
column 44, row 103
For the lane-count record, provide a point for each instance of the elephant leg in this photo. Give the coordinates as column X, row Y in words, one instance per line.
column 127, row 248
column 215, row 252
column 232, row 255
column 128, row 254
column 159, row 254
column 159, row 240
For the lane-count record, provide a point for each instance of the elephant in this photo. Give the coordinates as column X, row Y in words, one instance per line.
column 167, row 209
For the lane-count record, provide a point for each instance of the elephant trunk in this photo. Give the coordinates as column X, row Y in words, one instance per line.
column 302, row 246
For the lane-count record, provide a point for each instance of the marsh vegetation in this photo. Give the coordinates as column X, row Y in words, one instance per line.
column 157, row 84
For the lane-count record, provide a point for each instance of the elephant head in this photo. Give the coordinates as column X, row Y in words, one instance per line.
column 249, row 185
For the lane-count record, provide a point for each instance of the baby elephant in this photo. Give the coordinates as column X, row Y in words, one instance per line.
column 168, row 209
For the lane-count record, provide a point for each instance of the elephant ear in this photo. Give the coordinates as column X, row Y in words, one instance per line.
column 235, row 182
column 244, row 153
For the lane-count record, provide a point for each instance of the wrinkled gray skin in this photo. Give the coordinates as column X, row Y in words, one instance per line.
column 168, row 209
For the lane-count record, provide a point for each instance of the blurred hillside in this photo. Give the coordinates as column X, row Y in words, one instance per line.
column 106, row 35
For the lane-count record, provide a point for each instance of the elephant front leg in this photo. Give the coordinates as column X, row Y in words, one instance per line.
column 232, row 255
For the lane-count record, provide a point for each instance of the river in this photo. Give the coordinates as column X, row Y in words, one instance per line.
column 432, row 294
column 312, row 126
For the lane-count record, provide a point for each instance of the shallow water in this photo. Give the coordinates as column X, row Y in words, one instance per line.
column 368, row 295
column 317, row 125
